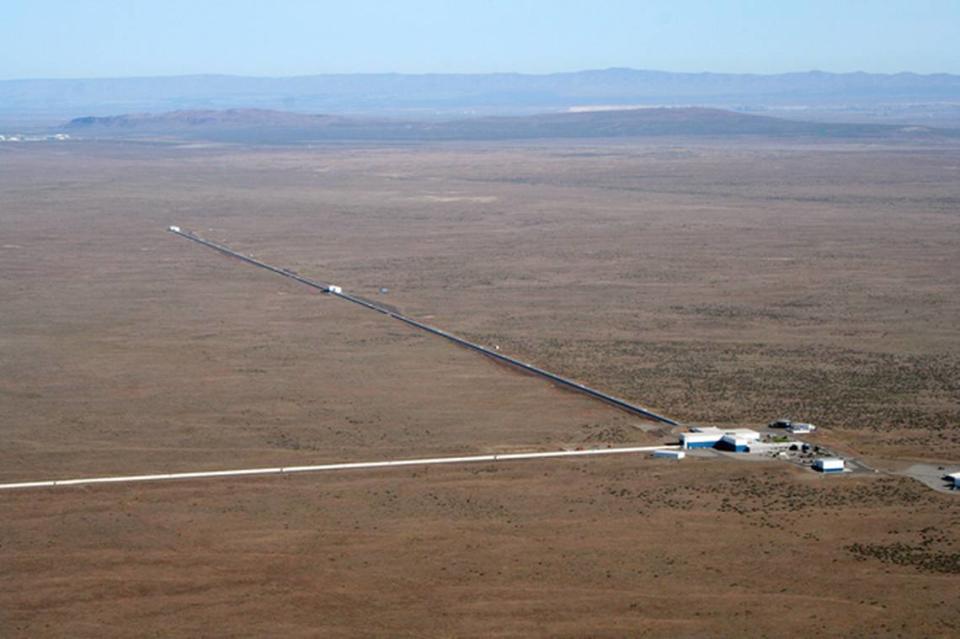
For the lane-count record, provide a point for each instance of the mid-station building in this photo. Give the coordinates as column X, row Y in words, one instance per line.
column 828, row 465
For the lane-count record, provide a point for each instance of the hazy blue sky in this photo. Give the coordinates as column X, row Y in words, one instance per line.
column 97, row 38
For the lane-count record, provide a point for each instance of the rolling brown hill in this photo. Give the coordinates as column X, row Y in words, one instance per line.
column 432, row 95
column 267, row 126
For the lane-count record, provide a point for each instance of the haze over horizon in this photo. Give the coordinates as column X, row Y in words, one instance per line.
column 291, row 38
column 705, row 72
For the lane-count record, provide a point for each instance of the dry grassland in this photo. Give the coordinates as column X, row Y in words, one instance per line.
column 716, row 282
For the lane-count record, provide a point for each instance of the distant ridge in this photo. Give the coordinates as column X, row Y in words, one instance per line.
column 204, row 118
column 266, row 126
column 451, row 94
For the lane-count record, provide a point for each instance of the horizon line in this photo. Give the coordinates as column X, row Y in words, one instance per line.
column 89, row 78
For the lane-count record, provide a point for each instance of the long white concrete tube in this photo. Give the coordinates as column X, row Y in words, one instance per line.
column 285, row 470
column 513, row 361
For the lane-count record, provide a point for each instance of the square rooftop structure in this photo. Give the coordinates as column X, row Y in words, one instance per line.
column 829, row 465
column 744, row 433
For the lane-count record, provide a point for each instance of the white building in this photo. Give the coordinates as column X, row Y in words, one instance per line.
column 700, row 439
column 737, row 439
column 744, row 433
column 829, row 465
column 669, row 454
column 334, row 289
column 800, row 427
column 735, row 443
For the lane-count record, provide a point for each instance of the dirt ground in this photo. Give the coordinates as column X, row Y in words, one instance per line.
column 716, row 282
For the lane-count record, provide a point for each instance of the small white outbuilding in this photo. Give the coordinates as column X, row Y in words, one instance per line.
column 669, row 454
column 334, row 289
column 800, row 428
column 175, row 229
column 829, row 465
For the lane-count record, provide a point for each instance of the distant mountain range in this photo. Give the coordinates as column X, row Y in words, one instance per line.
column 279, row 127
column 432, row 95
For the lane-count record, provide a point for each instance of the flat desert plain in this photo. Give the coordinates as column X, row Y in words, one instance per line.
column 716, row 281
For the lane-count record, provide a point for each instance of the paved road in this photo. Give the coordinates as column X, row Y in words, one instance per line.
column 931, row 475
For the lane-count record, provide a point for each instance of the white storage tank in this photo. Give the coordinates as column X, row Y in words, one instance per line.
column 828, row 465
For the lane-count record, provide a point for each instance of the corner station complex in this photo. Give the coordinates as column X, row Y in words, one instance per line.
column 742, row 440
column 736, row 439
